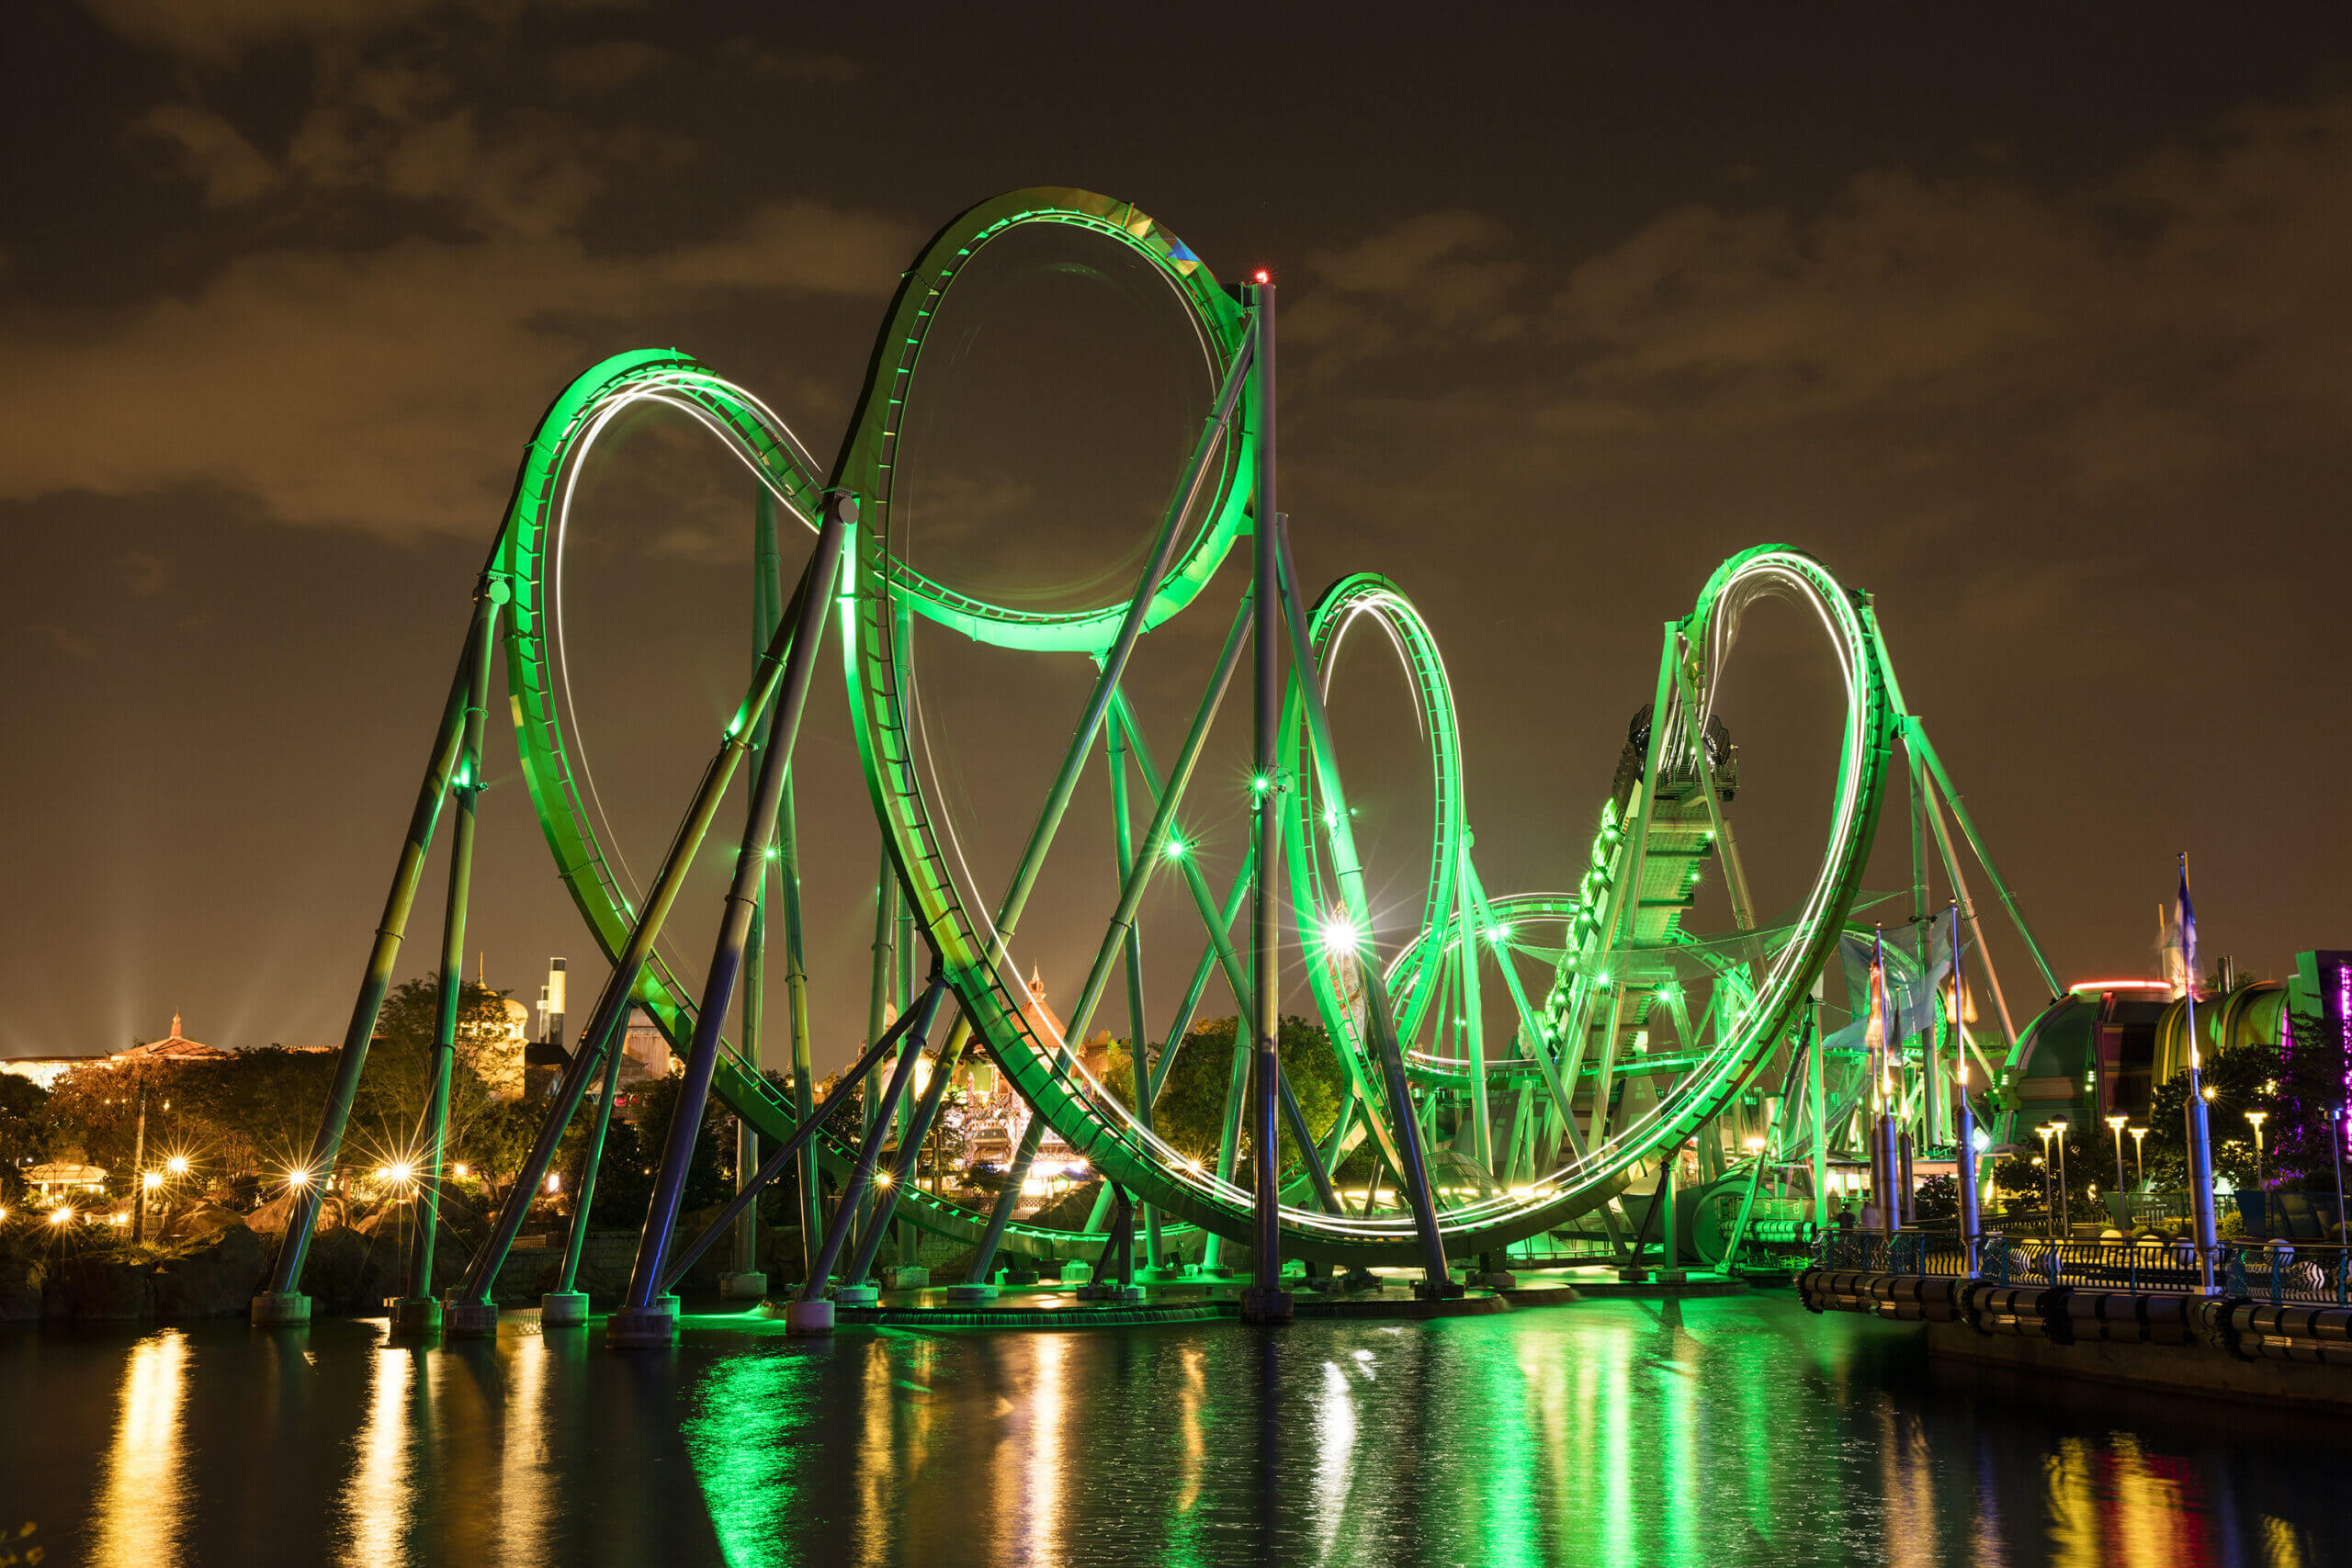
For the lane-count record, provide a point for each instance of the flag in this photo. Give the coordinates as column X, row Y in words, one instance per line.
column 1874, row 1038
column 2188, row 924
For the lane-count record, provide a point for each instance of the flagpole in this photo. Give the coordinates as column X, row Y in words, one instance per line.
column 1964, row 1122
column 1882, row 1150
column 2201, row 1144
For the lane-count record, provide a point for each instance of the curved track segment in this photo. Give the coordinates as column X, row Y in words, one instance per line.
column 979, row 949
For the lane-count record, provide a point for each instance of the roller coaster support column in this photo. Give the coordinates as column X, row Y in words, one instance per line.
column 1266, row 1301
column 804, row 1135
column 747, row 1283
column 812, row 1313
column 1818, row 1105
column 1112, row 669
column 1411, row 1165
column 1137, row 1045
column 281, row 1301
column 877, row 996
column 567, row 1306
column 912, row 1130
column 1972, row 1222
column 796, row 994
column 648, row 1316
column 467, row 1307
column 417, row 1311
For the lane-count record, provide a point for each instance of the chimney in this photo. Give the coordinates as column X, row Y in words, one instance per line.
column 555, row 1002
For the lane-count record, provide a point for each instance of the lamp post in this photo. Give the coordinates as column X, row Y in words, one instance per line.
column 2065, row 1214
column 2048, row 1204
column 2115, row 1125
column 2255, row 1119
column 2335, row 1143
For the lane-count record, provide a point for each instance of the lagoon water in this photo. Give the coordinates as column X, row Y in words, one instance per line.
column 1619, row 1432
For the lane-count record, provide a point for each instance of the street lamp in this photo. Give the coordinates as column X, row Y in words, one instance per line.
column 2140, row 1156
column 2065, row 1216
column 2255, row 1119
column 2049, row 1204
column 2115, row 1125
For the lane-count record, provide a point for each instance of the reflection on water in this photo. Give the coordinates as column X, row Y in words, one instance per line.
column 1722, row 1432
column 144, row 1507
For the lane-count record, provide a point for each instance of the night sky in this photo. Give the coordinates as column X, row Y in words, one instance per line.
column 2041, row 331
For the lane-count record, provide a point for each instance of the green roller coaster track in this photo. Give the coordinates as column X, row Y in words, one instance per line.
column 1628, row 1034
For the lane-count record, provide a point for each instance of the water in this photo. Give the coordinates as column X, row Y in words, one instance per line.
column 1724, row 1431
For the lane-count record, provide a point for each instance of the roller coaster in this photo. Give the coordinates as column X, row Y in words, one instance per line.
column 1627, row 1037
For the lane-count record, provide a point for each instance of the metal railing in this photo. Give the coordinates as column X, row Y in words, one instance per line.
column 2303, row 1274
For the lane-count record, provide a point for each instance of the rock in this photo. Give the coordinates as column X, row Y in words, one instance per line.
column 97, row 1287
column 217, row 1279
column 345, row 1271
column 22, row 1272
column 200, row 1220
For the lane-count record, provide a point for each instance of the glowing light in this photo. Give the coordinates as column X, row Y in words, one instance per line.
column 1261, row 784
column 297, row 1179
column 60, row 1217
column 458, row 1168
column 2087, row 987
column 1174, row 849
column 883, row 1179
column 403, row 1173
column 153, row 1179
column 1340, row 934
column 555, row 1181
column 177, row 1165
column 117, row 1219
column 1261, row 277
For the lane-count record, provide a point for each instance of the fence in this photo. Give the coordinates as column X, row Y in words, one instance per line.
column 2302, row 1274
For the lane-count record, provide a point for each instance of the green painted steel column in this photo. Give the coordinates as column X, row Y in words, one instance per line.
column 1266, row 1301
column 279, row 1302
column 464, row 787
column 1138, row 1049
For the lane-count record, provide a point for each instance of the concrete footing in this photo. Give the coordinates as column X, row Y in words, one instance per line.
column 563, row 1309
column 280, row 1309
column 414, row 1316
column 808, row 1317
column 743, row 1287
column 856, row 1295
column 1260, row 1304
column 961, row 1294
column 468, row 1319
column 1077, row 1271
column 643, row 1328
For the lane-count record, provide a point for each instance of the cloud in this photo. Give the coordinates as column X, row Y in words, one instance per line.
column 594, row 69
column 220, row 32
column 376, row 390
column 2152, row 325
column 213, row 152
column 1431, row 283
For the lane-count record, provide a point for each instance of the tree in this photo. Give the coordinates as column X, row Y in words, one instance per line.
column 1190, row 1113
column 388, row 1113
column 711, row 1177
column 24, row 1130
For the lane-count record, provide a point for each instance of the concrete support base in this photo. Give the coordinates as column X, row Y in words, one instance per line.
column 417, row 1315
column 280, row 1309
column 1261, row 1304
column 856, row 1295
column 1077, row 1271
column 808, row 1317
column 1497, row 1280
column 1441, row 1291
column 743, row 1287
column 563, row 1309
column 965, row 1294
column 651, row 1327
column 468, row 1320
